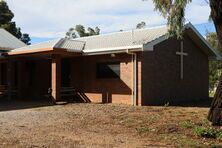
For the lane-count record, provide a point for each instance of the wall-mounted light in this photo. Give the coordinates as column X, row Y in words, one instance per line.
column 113, row 55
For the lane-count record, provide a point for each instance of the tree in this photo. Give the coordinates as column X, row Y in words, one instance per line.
column 174, row 12
column 79, row 31
column 25, row 38
column 71, row 33
column 6, row 16
column 141, row 25
column 97, row 30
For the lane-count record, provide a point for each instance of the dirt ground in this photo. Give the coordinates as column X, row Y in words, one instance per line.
column 32, row 124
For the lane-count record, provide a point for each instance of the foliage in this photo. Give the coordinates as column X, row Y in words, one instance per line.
column 174, row 12
column 79, row 31
column 25, row 38
column 208, row 132
column 215, row 67
column 141, row 25
column 219, row 135
column 6, row 16
column 187, row 124
column 211, row 37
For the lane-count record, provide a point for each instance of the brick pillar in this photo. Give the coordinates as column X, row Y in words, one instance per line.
column 56, row 77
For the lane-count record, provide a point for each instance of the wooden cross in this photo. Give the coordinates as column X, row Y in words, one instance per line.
column 181, row 54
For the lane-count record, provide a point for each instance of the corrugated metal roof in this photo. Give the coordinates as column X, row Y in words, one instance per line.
column 8, row 41
column 114, row 42
column 102, row 42
column 71, row 45
column 122, row 39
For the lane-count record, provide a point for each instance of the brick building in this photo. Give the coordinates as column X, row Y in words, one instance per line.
column 140, row 67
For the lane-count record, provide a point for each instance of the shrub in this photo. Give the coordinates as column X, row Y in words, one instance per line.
column 187, row 124
column 219, row 135
column 206, row 132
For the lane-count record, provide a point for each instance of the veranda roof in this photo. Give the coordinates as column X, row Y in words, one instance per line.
column 62, row 43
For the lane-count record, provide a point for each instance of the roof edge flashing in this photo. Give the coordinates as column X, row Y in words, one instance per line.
column 113, row 49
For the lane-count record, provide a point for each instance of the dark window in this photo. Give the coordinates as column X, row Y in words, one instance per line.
column 108, row 70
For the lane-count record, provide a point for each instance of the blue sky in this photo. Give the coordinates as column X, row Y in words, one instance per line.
column 49, row 19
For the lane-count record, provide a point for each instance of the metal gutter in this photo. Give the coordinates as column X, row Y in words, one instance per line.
column 122, row 49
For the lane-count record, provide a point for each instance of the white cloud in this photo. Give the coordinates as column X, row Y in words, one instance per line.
column 198, row 12
column 51, row 18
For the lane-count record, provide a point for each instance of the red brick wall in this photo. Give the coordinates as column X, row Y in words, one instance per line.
column 83, row 75
column 161, row 81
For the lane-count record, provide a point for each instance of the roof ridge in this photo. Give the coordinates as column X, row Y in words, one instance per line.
column 58, row 43
column 74, row 40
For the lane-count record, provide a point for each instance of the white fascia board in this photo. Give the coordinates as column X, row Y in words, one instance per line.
column 113, row 50
column 107, row 52
column 189, row 25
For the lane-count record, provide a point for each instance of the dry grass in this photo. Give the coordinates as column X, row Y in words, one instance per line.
column 96, row 125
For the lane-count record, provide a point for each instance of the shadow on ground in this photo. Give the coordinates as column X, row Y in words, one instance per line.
column 9, row 105
column 197, row 103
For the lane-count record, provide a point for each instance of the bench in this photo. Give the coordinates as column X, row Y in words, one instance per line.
column 71, row 94
column 65, row 92
column 5, row 92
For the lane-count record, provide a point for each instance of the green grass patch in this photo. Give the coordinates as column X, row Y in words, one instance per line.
column 187, row 124
column 144, row 129
column 208, row 132
column 219, row 135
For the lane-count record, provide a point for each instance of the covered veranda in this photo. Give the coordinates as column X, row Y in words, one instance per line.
column 30, row 71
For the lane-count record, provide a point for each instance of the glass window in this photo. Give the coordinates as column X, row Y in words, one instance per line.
column 108, row 70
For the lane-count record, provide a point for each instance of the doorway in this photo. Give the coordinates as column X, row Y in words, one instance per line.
column 65, row 73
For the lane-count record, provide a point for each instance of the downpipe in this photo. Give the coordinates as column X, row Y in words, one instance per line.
column 134, row 77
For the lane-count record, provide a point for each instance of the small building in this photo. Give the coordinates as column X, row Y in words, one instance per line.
column 139, row 67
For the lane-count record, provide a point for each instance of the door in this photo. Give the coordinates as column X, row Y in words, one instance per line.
column 65, row 73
